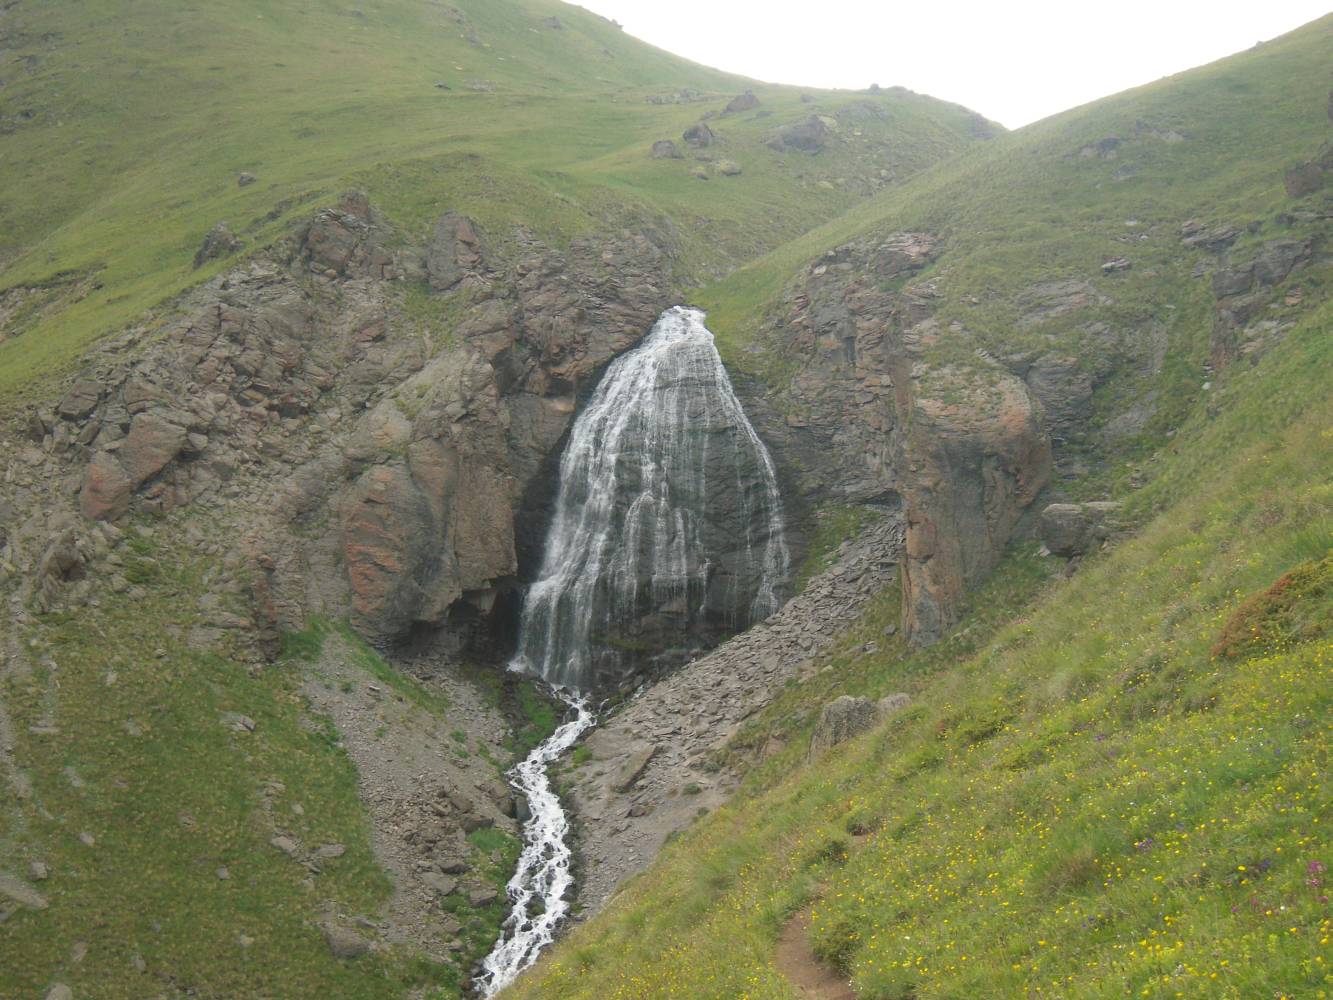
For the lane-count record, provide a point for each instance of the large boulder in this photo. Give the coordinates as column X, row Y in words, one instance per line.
column 809, row 136
column 842, row 719
column 742, row 102
column 1071, row 529
column 699, row 136
column 665, row 149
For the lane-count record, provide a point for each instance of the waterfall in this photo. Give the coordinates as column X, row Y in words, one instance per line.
column 668, row 523
column 667, row 529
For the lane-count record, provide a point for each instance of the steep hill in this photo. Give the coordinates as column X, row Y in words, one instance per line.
column 126, row 127
column 297, row 305
column 1110, row 777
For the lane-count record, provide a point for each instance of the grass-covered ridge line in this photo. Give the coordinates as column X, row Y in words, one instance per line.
column 1090, row 805
column 129, row 127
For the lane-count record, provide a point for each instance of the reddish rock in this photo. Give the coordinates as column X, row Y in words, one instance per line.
column 152, row 443
column 979, row 457
column 107, row 489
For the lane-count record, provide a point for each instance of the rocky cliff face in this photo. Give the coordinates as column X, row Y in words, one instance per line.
column 958, row 453
column 363, row 424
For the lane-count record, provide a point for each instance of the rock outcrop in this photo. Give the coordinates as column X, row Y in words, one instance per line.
column 297, row 390
column 960, row 453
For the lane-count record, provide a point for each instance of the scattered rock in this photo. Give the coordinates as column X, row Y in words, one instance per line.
column 742, row 102
column 219, row 242
column 38, row 871
column 892, row 703
column 482, row 897
column 1214, row 239
column 20, row 892
column 632, row 768
column 328, row 852
column 840, row 720
column 81, row 400
column 1116, row 266
column 728, row 168
column 59, row 992
column 443, row 885
column 343, row 942
column 1070, row 529
column 808, row 136
column 245, row 179
column 699, row 136
column 286, row 845
column 665, row 149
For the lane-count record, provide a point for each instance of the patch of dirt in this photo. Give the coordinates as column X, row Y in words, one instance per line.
column 796, row 960
column 424, row 783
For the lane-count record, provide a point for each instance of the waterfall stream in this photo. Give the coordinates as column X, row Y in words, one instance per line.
column 668, row 526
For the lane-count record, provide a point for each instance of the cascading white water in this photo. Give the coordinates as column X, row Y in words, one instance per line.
column 668, row 512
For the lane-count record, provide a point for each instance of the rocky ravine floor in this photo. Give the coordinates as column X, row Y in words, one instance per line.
column 647, row 777
column 423, row 790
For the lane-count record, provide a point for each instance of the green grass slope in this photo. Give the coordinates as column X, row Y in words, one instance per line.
column 1100, row 797
column 1211, row 144
column 1108, row 785
column 124, row 128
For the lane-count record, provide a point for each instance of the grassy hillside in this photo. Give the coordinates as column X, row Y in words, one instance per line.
column 124, row 129
column 1047, row 203
column 1108, row 785
column 1101, row 798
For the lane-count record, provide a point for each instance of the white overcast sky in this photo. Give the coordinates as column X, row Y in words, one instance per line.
column 1015, row 61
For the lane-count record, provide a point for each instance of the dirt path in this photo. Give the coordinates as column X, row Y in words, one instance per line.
column 795, row 959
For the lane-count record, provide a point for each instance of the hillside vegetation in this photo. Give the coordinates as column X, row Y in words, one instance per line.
column 124, row 130
column 1101, row 798
column 1111, row 783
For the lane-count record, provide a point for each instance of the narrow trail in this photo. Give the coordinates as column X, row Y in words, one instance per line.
column 795, row 959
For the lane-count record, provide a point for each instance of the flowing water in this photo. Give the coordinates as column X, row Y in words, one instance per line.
column 668, row 513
